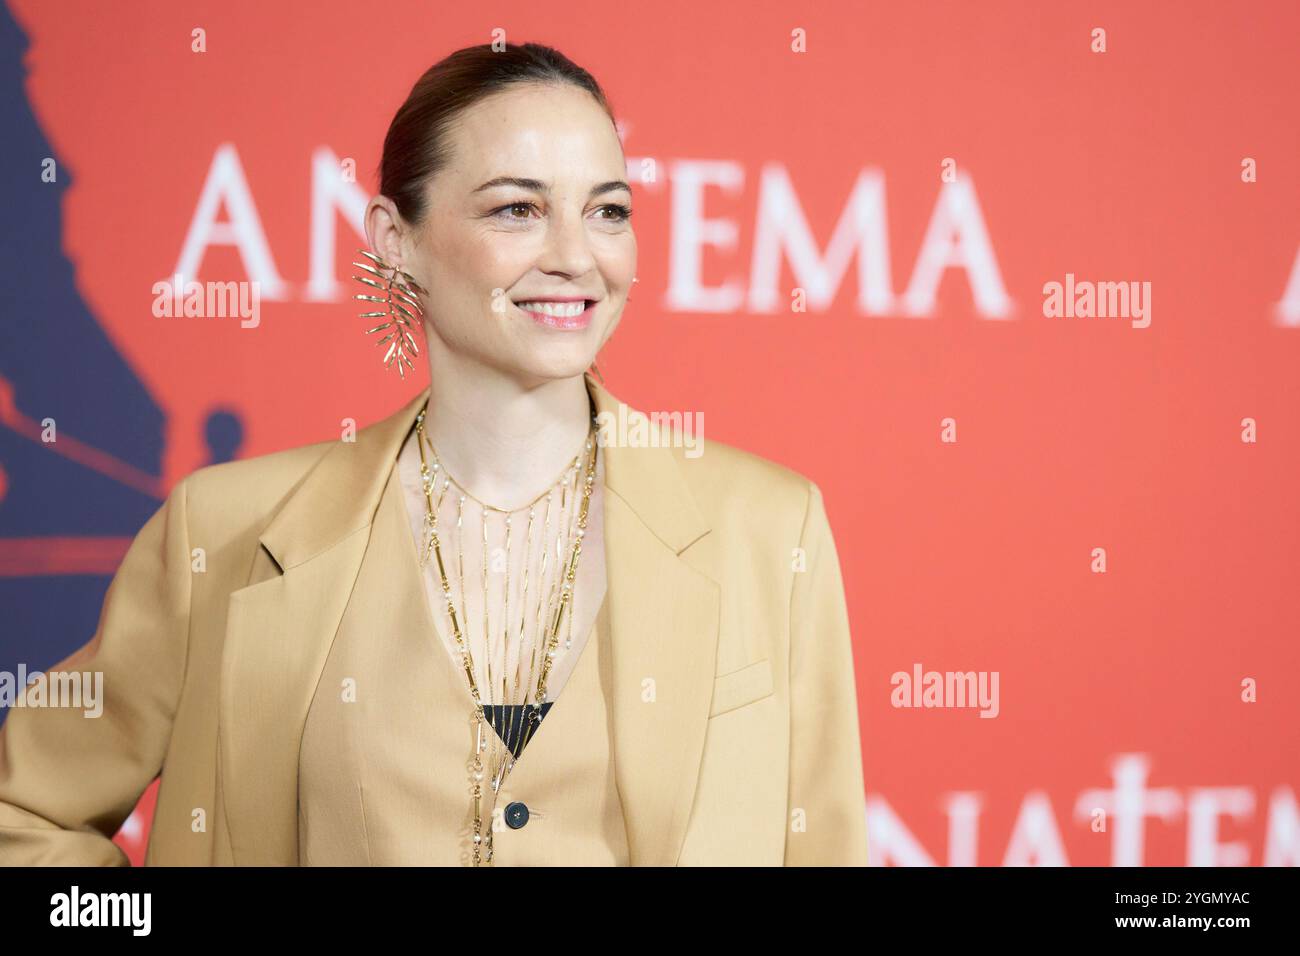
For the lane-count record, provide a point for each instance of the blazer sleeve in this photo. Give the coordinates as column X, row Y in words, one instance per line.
column 826, row 825
column 68, row 780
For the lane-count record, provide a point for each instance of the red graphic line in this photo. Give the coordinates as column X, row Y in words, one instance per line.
column 74, row 450
column 36, row 557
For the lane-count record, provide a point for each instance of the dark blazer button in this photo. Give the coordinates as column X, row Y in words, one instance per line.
column 516, row 815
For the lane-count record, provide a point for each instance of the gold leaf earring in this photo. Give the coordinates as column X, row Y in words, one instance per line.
column 403, row 311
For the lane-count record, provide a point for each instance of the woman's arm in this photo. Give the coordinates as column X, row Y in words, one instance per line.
column 67, row 780
column 827, row 812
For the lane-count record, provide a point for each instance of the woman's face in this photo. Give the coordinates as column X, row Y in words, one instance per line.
column 533, row 206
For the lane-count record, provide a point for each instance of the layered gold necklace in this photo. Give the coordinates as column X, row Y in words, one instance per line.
column 503, row 727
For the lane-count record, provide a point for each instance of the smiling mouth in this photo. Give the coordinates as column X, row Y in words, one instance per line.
column 559, row 315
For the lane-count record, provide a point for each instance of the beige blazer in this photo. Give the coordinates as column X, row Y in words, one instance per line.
column 734, row 716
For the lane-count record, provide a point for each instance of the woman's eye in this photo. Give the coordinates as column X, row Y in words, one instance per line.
column 508, row 211
column 618, row 212
column 614, row 212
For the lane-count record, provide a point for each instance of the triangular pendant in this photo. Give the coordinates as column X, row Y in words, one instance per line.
column 514, row 723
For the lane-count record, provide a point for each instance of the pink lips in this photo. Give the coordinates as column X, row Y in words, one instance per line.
column 567, row 322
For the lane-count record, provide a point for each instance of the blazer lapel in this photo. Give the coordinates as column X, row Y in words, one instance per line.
column 279, row 630
column 663, row 619
column 663, row 614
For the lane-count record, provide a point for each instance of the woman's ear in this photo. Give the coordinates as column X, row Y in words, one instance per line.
column 385, row 229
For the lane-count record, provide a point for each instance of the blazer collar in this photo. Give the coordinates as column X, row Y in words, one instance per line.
column 340, row 495
column 664, row 618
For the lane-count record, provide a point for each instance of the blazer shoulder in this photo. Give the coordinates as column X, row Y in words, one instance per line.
column 259, row 475
column 721, row 474
column 245, row 492
column 234, row 498
column 272, row 475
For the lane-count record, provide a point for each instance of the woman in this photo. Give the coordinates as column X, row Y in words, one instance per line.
column 488, row 629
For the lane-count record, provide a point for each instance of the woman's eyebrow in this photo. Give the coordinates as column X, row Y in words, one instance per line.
column 537, row 186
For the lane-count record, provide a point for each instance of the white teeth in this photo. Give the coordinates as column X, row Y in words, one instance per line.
column 561, row 309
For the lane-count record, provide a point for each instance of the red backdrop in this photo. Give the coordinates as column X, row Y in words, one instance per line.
column 922, row 170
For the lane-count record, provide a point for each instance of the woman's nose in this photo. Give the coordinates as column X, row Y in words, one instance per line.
column 568, row 246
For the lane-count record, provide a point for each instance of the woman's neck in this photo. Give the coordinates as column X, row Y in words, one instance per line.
column 504, row 442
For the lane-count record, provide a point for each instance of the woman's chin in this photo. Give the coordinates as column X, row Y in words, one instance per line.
column 555, row 360
column 540, row 369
